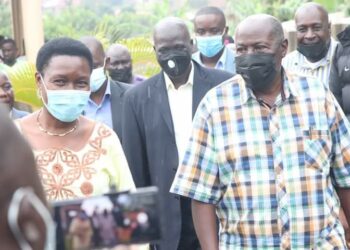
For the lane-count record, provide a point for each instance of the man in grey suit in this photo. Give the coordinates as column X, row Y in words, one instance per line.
column 106, row 99
column 7, row 97
column 157, row 118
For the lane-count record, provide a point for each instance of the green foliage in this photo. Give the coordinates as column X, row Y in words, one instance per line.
column 282, row 9
column 143, row 56
column 98, row 17
column 5, row 17
column 72, row 22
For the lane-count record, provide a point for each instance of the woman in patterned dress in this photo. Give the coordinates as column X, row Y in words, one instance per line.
column 75, row 156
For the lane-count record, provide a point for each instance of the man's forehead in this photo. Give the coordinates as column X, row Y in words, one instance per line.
column 170, row 29
column 120, row 57
column 208, row 19
column 8, row 45
column 118, row 53
column 310, row 15
column 254, row 35
column 171, row 38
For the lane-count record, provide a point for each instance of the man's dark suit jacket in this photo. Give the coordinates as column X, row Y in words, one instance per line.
column 149, row 141
column 117, row 95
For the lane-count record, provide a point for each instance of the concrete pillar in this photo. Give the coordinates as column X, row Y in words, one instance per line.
column 28, row 26
column 336, row 28
column 292, row 40
column 33, row 29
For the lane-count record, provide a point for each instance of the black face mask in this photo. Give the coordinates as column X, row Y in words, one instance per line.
column 314, row 52
column 258, row 70
column 121, row 75
column 174, row 62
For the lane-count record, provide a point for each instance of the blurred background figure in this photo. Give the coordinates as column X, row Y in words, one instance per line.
column 119, row 65
column 157, row 118
column 81, row 231
column 211, row 33
column 7, row 97
column 107, row 228
column 25, row 220
column 106, row 99
column 339, row 81
column 315, row 47
column 9, row 52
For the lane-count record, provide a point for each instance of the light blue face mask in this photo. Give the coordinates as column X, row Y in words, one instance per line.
column 66, row 105
column 97, row 78
column 14, row 212
column 209, row 46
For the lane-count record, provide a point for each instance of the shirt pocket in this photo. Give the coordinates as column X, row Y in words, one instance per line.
column 317, row 149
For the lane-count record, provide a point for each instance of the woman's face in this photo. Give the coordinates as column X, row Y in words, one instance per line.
column 64, row 73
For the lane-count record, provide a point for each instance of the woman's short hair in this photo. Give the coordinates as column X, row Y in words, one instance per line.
column 63, row 46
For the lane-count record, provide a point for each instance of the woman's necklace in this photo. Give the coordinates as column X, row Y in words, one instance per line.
column 54, row 134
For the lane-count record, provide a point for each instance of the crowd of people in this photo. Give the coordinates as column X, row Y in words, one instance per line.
column 249, row 148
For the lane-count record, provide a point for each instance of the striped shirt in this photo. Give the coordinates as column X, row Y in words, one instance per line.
column 271, row 172
column 296, row 63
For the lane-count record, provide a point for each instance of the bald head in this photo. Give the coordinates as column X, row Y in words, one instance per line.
column 177, row 27
column 311, row 8
column 313, row 31
column 118, row 50
column 262, row 24
column 96, row 49
column 173, row 47
column 118, row 63
column 257, row 36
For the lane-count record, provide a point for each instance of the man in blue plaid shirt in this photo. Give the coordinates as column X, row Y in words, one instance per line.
column 269, row 153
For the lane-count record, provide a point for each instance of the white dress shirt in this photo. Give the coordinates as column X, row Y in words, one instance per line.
column 180, row 102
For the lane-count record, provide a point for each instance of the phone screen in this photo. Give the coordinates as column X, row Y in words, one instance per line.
column 108, row 220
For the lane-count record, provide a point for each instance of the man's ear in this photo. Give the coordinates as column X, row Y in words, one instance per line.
column 107, row 62
column 284, row 47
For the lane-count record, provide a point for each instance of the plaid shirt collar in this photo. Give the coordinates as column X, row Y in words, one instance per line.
column 288, row 89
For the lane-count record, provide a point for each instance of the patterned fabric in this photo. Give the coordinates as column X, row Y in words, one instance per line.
column 296, row 63
column 270, row 172
column 68, row 174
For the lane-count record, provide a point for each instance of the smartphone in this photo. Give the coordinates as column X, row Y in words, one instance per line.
column 108, row 220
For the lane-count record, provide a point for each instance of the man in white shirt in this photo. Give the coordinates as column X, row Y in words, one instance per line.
column 315, row 47
column 157, row 119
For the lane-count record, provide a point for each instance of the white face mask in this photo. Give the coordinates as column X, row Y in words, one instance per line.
column 13, row 214
column 97, row 78
column 65, row 105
